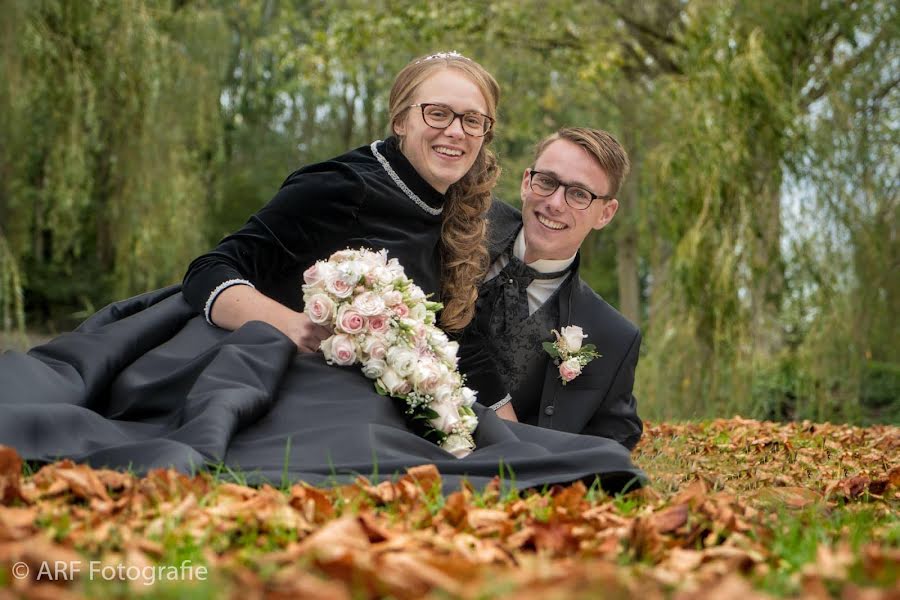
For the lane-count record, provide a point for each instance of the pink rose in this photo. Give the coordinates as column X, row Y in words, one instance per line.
column 343, row 350
column 570, row 369
column 401, row 310
column 350, row 321
column 379, row 324
column 312, row 275
column 320, row 309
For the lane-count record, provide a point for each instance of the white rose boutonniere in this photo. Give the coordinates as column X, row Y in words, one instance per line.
column 568, row 352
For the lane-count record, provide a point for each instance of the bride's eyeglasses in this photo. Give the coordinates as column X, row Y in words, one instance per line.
column 439, row 116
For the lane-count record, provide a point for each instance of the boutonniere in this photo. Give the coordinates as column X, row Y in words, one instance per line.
column 568, row 353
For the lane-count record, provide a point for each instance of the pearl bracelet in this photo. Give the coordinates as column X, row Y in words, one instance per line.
column 215, row 294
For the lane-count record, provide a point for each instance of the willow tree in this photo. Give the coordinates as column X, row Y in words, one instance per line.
column 112, row 127
column 733, row 125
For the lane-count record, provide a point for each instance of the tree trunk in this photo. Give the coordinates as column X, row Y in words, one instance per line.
column 627, row 217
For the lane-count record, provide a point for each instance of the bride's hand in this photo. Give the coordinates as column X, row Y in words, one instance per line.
column 507, row 412
column 306, row 334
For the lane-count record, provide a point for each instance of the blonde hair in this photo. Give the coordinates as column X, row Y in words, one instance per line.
column 601, row 145
column 464, row 255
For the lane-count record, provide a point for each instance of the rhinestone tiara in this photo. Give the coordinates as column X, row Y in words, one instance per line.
column 449, row 54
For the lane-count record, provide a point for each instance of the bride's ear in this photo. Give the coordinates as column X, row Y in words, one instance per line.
column 399, row 127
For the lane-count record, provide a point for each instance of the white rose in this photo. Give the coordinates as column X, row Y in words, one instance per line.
column 382, row 275
column 448, row 416
column 343, row 255
column 470, row 422
column 469, row 396
column 374, row 346
column 325, row 347
column 571, row 337
column 418, row 312
column 393, row 298
column 396, row 269
column 339, row 284
column 368, row 304
column 448, row 352
column 401, row 359
column 393, row 382
column 426, row 376
column 457, row 445
column 374, row 368
column 443, row 394
column 415, row 293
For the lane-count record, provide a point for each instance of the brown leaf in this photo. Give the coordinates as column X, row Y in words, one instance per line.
column 694, row 494
column 644, row 540
column 426, row 477
column 793, row 497
column 671, row 518
column 10, row 475
column 554, row 538
column 455, row 508
column 415, row 570
column 337, row 537
column 485, row 521
column 312, row 503
column 294, row 582
column 17, row 523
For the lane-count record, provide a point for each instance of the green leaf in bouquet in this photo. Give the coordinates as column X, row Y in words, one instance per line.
column 551, row 349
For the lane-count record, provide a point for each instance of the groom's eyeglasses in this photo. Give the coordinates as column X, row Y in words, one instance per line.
column 439, row 116
column 576, row 196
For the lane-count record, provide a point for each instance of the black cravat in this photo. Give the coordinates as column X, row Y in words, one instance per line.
column 503, row 301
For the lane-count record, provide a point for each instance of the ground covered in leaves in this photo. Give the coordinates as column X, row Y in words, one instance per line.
column 737, row 509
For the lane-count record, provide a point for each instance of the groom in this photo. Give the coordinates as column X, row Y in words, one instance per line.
column 533, row 287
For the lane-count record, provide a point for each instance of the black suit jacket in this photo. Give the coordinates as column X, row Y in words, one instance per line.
column 600, row 400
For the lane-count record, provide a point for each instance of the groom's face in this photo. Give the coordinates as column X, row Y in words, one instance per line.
column 553, row 229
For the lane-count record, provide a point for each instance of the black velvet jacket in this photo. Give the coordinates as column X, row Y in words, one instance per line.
column 347, row 202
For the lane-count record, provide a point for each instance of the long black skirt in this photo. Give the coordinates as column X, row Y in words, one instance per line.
column 146, row 383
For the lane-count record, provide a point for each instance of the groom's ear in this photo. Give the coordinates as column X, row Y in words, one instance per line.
column 606, row 214
column 523, row 189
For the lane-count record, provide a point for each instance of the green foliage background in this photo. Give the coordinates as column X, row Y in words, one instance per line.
column 757, row 241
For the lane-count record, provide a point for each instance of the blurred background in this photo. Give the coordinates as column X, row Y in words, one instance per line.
column 756, row 245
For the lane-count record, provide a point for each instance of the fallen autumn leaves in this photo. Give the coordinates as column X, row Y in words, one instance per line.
column 728, row 515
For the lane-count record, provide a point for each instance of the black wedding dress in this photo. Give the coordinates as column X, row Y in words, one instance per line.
column 147, row 382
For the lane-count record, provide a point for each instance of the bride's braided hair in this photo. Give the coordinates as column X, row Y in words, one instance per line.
column 464, row 255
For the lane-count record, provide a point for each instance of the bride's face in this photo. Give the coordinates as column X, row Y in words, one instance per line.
column 442, row 156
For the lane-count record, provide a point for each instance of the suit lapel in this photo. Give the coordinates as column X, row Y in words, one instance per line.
column 552, row 386
column 505, row 223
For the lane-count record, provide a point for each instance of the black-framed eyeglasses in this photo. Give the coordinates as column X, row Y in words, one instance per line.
column 441, row 116
column 576, row 196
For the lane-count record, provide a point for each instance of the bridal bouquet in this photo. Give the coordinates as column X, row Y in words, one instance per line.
column 384, row 322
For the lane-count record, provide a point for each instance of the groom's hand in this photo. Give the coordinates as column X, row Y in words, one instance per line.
column 306, row 334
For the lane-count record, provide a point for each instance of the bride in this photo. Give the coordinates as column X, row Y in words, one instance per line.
column 225, row 368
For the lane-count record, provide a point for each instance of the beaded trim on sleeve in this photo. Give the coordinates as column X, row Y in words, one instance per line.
column 215, row 293
column 410, row 194
column 500, row 404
